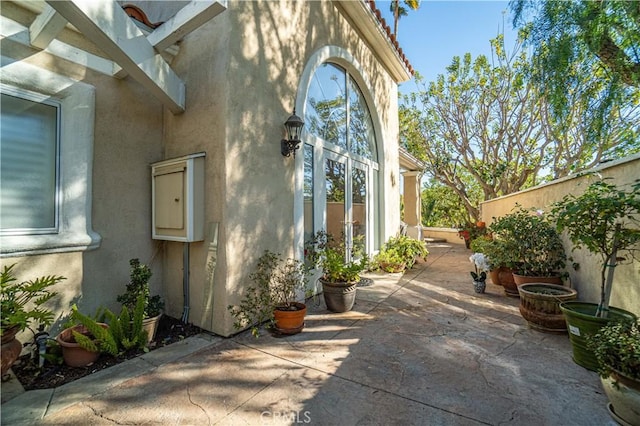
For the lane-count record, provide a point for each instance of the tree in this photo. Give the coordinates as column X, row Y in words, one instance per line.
column 486, row 126
column 603, row 36
column 441, row 206
column 399, row 11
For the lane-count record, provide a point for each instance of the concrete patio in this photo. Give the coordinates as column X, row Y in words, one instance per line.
column 419, row 349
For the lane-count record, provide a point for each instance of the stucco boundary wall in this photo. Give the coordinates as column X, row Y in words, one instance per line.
column 586, row 280
column 449, row 234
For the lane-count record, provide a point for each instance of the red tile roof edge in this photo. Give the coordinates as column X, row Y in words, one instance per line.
column 392, row 38
column 138, row 14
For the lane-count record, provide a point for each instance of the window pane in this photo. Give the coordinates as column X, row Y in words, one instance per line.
column 28, row 153
column 359, row 209
column 336, row 175
column 325, row 115
column 361, row 138
column 308, row 192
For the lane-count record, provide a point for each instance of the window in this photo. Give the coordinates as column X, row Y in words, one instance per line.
column 46, row 162
column 28, row 164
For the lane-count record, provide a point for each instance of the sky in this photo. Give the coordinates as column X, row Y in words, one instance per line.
column 439, row 30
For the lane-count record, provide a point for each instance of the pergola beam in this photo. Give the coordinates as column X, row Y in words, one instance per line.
column 46, row 27
column 108, row 27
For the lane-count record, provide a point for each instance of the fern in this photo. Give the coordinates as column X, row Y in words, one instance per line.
column 104, row 341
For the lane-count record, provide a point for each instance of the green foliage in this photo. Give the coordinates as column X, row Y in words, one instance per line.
column 535, row 245
column 99, row 338
column 616, row 346
column 276, row 282
column 441, row 206
column 604, row 219
column 139, row 286
column 400, row 250
column 127, row 332
column 22, row 302
column 496, row 251
column 324, row 251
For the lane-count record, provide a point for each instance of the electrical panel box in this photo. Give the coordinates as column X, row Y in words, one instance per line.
column 177, row 198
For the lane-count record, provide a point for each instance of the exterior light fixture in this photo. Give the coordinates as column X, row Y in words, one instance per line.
column 293, row 125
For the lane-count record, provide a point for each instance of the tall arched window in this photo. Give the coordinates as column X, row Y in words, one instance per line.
column 340, row 160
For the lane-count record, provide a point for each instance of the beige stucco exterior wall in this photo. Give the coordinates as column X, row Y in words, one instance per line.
column 242, row 72
column 626, row 288
column 127, row 138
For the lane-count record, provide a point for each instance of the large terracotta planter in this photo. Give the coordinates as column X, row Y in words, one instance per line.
column 290, row 321
column 494, row 274
column 624, row 398
column 581, row 322
column 526, row 279
column 72, row 353
column 540, row 306
column 339, row 296
column 11, row 348
column 506, row 280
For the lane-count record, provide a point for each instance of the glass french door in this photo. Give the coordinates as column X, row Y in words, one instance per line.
column 346, row 202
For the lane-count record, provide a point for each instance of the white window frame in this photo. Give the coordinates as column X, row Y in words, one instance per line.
column 77, row 111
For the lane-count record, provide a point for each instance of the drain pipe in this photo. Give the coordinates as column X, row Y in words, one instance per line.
column 185, row 282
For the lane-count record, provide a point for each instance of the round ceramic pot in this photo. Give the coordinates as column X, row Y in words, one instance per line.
column 150, row 325
column 339, row 296
column 506, row 280
column 624, row 398
column 494, row 274
column 479, row 286
column 581, row 322
column 72, row 353
column 540, row 306
column 526, row 279
column 290, row 321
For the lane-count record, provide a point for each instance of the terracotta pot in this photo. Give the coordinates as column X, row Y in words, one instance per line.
column 624, row 398
column 290, row 322
column 540, row 306
column 506, row 280
column 393, row 267
column 526, row 279
column 11, row 348
column 494, row 274
column 339, row 296
column 72, row 353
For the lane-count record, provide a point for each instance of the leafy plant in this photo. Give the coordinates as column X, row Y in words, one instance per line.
column 605, row 220
column 535, row 245
column 126, row 330
column 97, row 338
column 617, row 347
column 139, row 286
column 389, row 261
column 400, row 250
column 17, row 296
column 276, row 282
column 323, row 251
column 481, row 265
column 496, row 251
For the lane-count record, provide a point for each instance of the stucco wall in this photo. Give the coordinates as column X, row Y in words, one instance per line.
column 586, row 280
column 243, row 72
column 127, row 137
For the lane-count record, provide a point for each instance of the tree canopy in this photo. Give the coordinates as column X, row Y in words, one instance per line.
column 486, row 126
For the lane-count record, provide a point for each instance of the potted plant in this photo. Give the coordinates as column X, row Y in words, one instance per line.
column 22, row 304
column 83, row 341
column 481, row 265
column 540, row 305
column 617, row 350
column 138, row 286
column 272, row 297
column 499, row 259
column 605, row 221
column 339, row 278
column 471, row 231
column 538, row 254
column 400, row 253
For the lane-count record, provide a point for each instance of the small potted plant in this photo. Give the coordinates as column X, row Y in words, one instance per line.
column 138, row 286
column 22, row 304
column 617, row 349
column 481, row 266
column 84, row 340
column 339, row 278
column 605, row 220
column 272, row 297
column 499, row 259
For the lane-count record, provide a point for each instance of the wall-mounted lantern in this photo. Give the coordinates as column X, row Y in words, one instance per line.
column 294, row 126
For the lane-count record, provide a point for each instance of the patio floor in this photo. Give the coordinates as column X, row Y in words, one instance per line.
column 418, row 349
